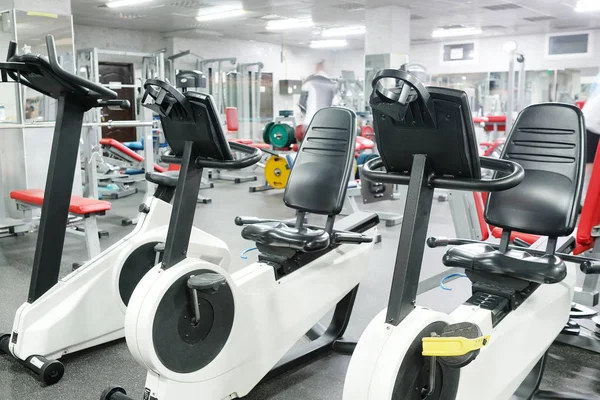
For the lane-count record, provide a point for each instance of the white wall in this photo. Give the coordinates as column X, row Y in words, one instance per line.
column 492, row 58
column 117, row 39
column 346, row 60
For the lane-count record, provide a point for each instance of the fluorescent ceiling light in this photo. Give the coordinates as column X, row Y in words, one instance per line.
column 440, row 33
column 587, row 6
column 125, row 3
column 289, row 23
column 345, row 31
column 328, row 44
column 220, row 13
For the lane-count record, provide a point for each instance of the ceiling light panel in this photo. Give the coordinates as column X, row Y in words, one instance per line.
column 289, row 23
column 587, row 6
column 344, row 31
column 444, row 33
column 126, row 3
column 328, row 44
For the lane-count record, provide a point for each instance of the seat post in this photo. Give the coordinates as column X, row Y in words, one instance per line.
column 504, row 241
column 300, row 216
column 551, row 246
column 329, row 223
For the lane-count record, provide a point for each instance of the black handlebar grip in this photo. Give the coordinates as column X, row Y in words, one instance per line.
column 241, row 221
column 589, row 267
column 351, row 237
column 434, row 242
column 170, row 158
column 115, row 104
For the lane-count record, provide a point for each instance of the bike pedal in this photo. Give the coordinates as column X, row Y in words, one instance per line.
column 457, row 346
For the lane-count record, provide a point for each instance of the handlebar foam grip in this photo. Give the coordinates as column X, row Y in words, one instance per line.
column 115, row 104
column 434, row 242
column 589, row 267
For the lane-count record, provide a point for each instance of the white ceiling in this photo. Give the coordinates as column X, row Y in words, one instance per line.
column 176, row 17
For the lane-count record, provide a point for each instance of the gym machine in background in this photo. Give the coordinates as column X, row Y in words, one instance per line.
column 514, row 104
column 150, row 65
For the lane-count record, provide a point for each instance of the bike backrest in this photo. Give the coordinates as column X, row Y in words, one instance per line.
column 548, row 140
column 322, row 168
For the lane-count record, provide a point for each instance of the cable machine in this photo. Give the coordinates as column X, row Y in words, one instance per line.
column 88, row 61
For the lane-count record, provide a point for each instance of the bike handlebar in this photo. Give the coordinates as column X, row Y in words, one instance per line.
column 516, row 174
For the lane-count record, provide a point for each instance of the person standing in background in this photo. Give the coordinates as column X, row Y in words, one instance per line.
column 318, row 91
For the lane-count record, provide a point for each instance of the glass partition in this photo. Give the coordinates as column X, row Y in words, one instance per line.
column 475, row 85
column 488, row 91
column 9, row 110
column 31, row 29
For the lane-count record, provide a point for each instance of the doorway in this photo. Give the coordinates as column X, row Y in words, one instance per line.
column 123, row 73
column 266, row 96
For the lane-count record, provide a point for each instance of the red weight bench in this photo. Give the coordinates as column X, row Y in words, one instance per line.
column 82, row 207
column 123, row 156
column 492, row 124
column 233, row 125
column 367, row 132
column 488, row 148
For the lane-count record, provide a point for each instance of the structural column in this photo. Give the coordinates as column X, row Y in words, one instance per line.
column 387, row 39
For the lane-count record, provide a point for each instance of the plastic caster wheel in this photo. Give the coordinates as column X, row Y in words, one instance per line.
column 109, row 392
column 52, row 372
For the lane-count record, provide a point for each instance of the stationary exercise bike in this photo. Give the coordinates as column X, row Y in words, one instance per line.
column 87, row 307
column 493, row 346
column 204, row 333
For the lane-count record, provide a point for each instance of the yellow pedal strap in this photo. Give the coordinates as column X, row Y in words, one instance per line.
column 452, row 346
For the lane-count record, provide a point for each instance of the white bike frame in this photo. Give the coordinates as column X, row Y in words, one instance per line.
column 85, row 309
column 516, row 345
column 270, row 316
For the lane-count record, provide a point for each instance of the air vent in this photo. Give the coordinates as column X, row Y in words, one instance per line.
column 502, row 7
column 131, row 16
column 419, row 40
column 267, row 33
column 190, row 4
column 489, row 27
column 415, row 17
column 540, row 18
column 565, row 27
column 350, row 6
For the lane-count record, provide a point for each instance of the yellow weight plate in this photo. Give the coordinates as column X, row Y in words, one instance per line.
column 277, row 172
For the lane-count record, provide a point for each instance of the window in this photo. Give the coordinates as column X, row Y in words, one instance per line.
column 568, row 44
column 459, row 52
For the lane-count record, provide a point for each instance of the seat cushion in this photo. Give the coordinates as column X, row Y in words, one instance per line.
column 278, row 234
column 517, row 264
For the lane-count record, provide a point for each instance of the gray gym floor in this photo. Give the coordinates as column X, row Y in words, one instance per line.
column 89, row 372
